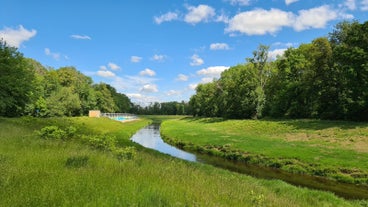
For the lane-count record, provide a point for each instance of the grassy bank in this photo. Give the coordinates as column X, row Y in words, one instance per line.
column 337, row 150
column 71, row 172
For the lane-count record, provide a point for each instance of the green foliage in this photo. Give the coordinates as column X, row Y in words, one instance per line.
column 324, row 79
column 126, row 153
column 101, row 142
column 16, row 81
column 54, row 132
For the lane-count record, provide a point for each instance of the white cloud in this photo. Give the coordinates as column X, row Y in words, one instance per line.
column 182, row 77
column 314, row 18
column 219, row 46
column 15, row 37
column 80, row 37
column 260, row 21
column 199, row 14
column 105, row 73
column 170, row 16
column 142, row 99
column 350, row 4
column 113, row 66
column 55, row 56
column 288, row 2
column 239, row 2
column 173, row 93
column 364, row 5
column 135, row 59
column 193, row 86
column 149, row 88
column 275, row 53
column 147, row 72
column 102, row 67
column 159, row 58
column 212, row 72
column 196, row 60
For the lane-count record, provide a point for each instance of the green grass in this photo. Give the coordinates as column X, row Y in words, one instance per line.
column 39, row 172
column 338, row 150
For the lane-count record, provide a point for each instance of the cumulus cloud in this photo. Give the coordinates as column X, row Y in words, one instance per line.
column 54, row 55
column 170, row 16
column 149, row 88
column 80, row 37
column 15, row 37
column 113, row 66
column 287, row 2
column 147, row 72
column 102, row 67
column 314, row 18
column 106, row 74
column 182, row 77
column 239, row 2
column 196, row 60
column 158, row 58
column 219, row 46
column 213, row 71
column 192, row 86
column 273, row 54
column 201, row 13
column 135, row 59
column 259, row 21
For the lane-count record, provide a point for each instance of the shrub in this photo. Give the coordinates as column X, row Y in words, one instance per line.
column 126, row 153
column 52, row 132
column 101, row 142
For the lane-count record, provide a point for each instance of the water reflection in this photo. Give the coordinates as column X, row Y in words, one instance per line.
column 150, row 137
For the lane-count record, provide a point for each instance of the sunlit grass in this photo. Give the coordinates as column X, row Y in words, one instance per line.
column 37, row 172
column 319, row 146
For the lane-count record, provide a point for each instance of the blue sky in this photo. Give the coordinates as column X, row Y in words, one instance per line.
column 160, row 50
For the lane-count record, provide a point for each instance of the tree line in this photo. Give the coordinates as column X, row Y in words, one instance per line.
column 164, row 108
column 28, row 88
column 324, row 79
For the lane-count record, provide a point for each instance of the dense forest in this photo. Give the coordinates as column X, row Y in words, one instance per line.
column 28, row 88
column 324, row 79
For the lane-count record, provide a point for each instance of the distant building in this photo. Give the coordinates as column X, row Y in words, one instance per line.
column 94, row 113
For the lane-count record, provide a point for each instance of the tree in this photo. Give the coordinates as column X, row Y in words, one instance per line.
column 16, row 81
column 260, row 62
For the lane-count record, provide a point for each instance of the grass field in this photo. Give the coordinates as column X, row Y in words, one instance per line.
column 71, row 172
column 333, row 149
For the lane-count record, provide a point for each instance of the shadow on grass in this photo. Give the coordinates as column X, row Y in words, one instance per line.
column 204, row 119
column 314, row 124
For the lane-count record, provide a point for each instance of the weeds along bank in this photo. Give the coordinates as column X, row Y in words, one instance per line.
column 333, row 149
column 75, row 162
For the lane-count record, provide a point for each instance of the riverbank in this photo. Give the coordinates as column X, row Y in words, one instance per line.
column 332, row 149
column 38, row 171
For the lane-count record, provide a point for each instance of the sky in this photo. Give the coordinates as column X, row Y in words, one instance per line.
column 159, row 51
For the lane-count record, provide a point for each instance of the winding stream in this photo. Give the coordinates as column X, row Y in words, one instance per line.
column 150, row 137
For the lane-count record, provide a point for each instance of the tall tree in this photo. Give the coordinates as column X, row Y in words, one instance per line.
column 260, row 62
column 16, row 81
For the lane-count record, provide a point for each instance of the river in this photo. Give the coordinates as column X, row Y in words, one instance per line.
column 150, row 137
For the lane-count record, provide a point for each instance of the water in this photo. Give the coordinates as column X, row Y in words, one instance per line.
column 150, row 137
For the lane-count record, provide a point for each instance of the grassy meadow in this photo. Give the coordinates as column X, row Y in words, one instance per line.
column 334, row 149
column 79, row 170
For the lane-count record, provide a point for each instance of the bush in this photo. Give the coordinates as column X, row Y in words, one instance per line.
column 126, row 153
column 101, row 142
column 52, row 132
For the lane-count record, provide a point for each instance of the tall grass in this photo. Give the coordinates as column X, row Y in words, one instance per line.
column 38, row 172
